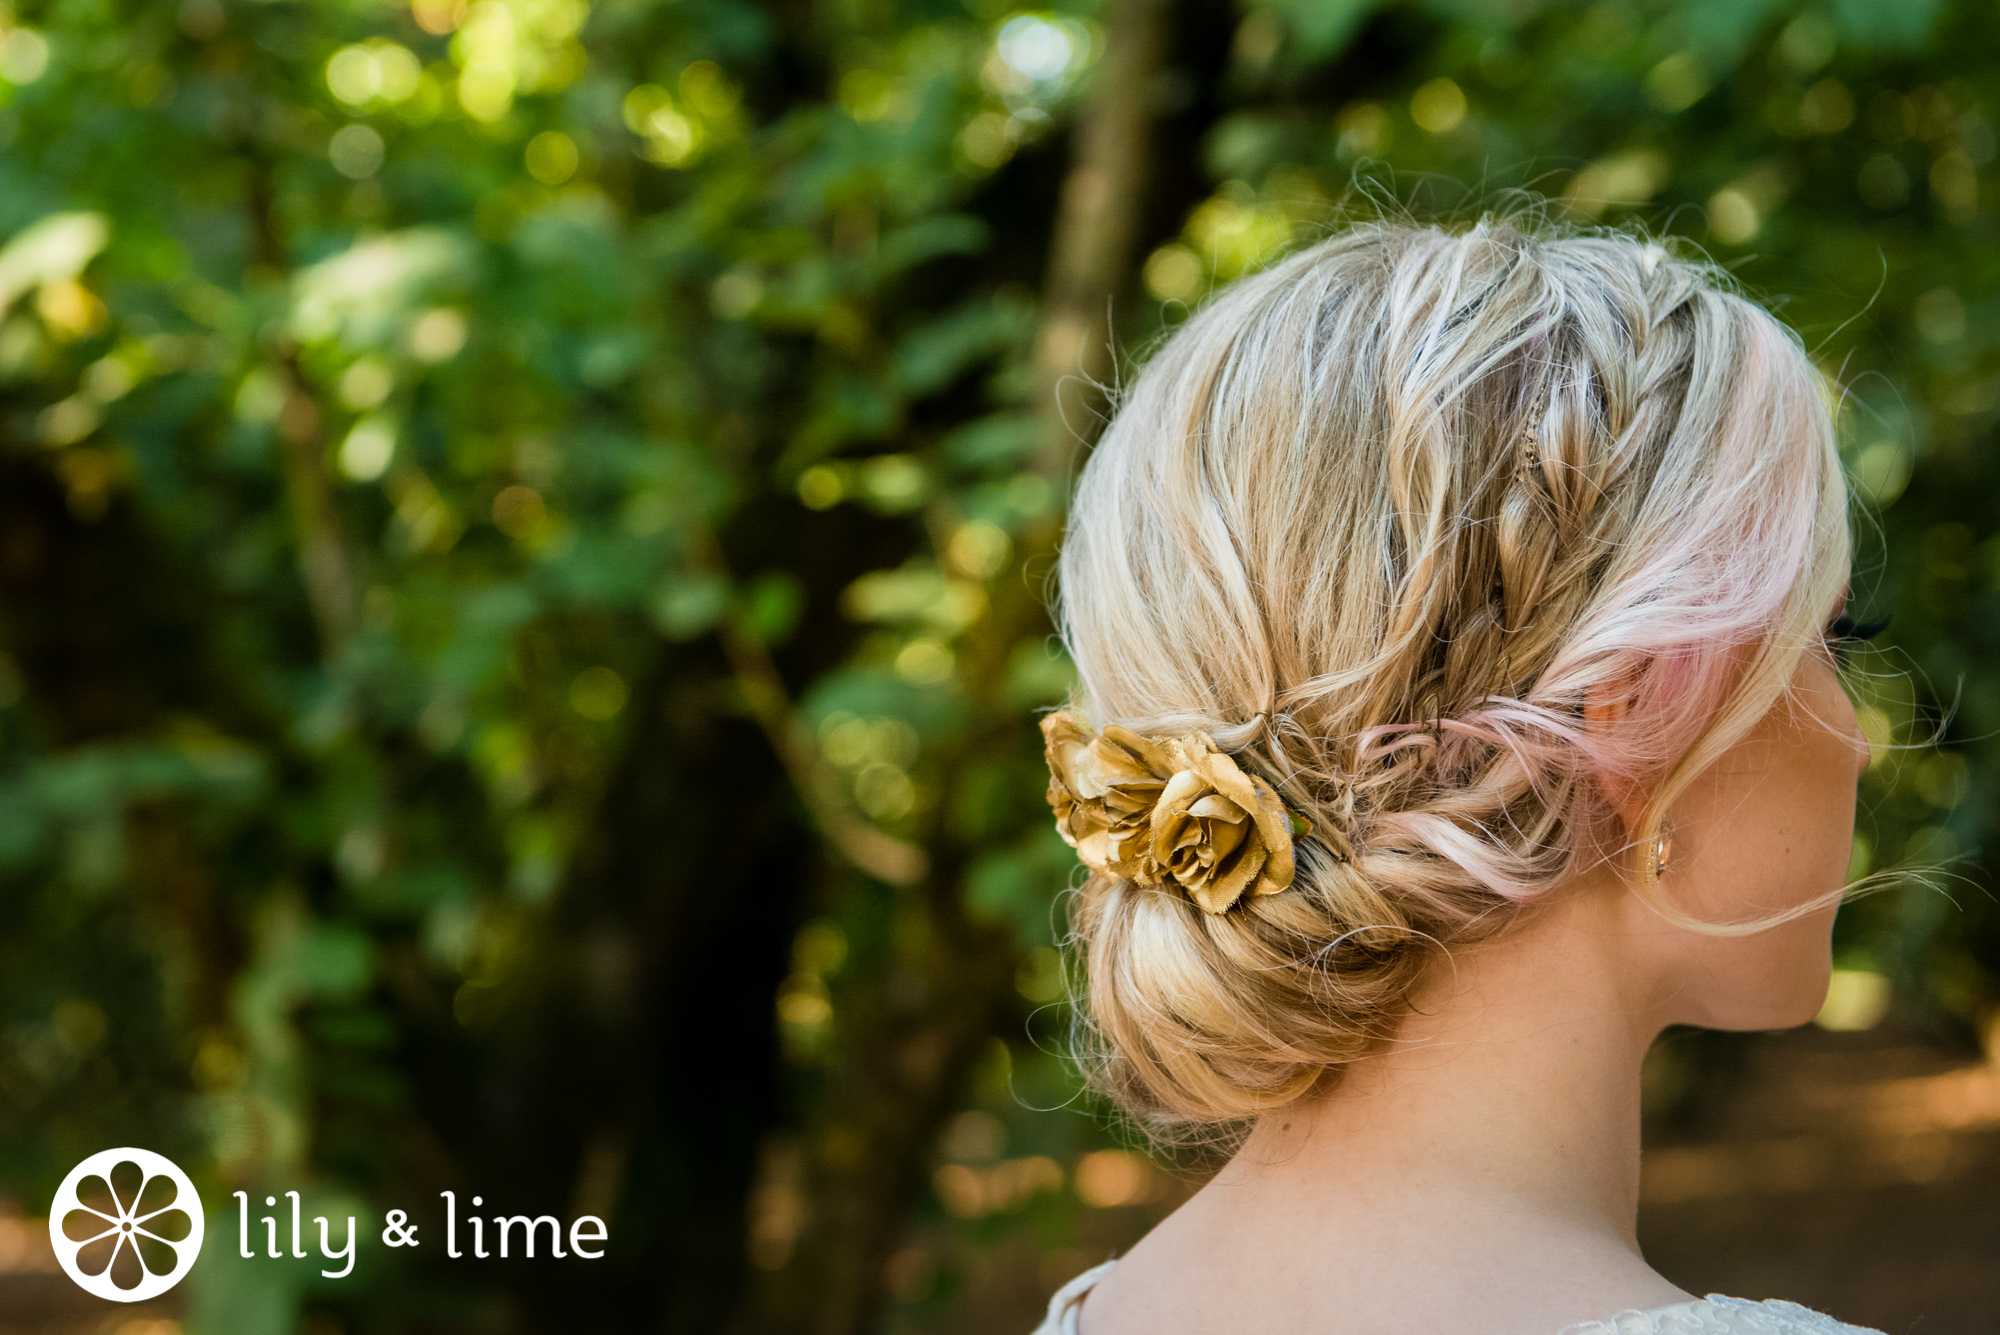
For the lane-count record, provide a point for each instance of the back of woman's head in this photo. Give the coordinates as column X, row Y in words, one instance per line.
column 1379, row 521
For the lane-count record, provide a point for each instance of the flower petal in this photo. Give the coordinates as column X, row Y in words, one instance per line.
column 1274, row 824
column 94, row 1194
column 155, row 1255
column 1172, row 828
column 158, row 1193
column 127, row 1270
column 94, row 1257
column 1144, row 753
column 1218, row 894
column 84, row 1223
column 171, row 1224
column 126, row 1179
column 1225, row 837
column 1101, row 766
column 1064, row 742
column 1214, row 806
column 1221, row 773
column 1095, row 850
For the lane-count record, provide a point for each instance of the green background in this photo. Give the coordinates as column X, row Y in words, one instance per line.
column 523, row 526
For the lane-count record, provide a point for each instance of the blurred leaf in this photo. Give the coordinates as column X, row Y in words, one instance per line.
column 1323, row 27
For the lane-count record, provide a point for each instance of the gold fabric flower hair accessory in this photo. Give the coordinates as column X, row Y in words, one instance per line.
column 1174, row 810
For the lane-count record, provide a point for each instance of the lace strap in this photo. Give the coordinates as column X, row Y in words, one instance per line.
column 1061, row 1319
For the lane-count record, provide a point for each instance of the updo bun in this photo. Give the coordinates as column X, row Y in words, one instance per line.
column 1377, row 520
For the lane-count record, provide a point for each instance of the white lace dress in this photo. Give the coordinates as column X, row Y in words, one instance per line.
column 1713, row 1315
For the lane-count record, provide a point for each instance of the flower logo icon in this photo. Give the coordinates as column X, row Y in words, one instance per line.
column 126, row 1225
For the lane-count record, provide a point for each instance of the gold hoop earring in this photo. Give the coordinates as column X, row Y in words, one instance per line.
column 1663, row 852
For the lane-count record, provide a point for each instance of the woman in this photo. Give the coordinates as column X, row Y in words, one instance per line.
column 1457, row 619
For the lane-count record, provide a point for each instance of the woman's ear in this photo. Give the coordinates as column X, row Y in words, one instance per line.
column 1603, row 711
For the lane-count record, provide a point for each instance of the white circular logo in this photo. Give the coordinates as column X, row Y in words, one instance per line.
column 126, row 1225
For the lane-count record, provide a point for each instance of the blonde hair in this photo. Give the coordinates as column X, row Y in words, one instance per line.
column 1379, row 520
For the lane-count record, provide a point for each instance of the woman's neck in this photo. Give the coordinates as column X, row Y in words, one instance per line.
column 1516, row 1077
column 1488, row 1159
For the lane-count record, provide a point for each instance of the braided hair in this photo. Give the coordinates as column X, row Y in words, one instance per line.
column 1378, row 520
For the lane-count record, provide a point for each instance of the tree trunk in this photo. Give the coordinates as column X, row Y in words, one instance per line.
column 1090, row 254
column 913, row 1030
